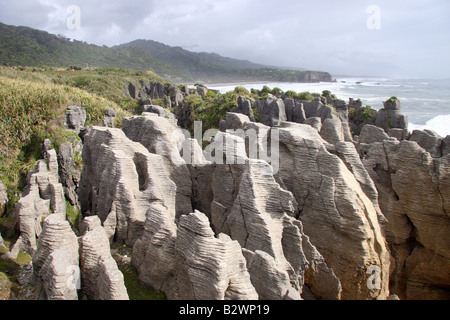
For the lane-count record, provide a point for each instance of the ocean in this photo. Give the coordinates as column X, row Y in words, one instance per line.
column 426, row 102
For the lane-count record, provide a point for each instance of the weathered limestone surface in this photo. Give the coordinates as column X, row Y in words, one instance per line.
column 251, row 207
column 414, row 194
column 120, row 181
column 55, row 261
column 370, row 134
column 391, row 117
column 42, row 195
column 101, row 278
column 75, row 117
column 272, row 111
column 428, row 140
column 188, row 262
column 294, row 110
column 154, row 253
column 209, row 267
column 160, row 111
column 332, row 130
column 69, row 171
column 245, row 107
column 163, row 138
column 337, row 215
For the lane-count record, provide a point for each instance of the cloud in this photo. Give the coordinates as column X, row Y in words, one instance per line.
column 413, row 39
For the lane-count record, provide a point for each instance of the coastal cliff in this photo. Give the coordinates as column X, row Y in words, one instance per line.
column 293, row 198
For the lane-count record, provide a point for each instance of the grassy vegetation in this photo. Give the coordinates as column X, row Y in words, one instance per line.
column 10, row 271
column 367, row 112
column 136, row 290
column 392, row 99
column 22, row 46
column 32, row 108
column 73, row 215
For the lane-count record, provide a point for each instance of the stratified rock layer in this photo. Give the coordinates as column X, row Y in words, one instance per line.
column 120, row 181
column 414, row 194
column 337, row 215
column 56, row 261
column 101, row 278
column 160, row 136
column 42, row 195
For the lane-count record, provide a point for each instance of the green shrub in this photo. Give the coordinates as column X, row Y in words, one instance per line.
column 305, row 96
column 367, row 113
column 265, row 89
column 242, row 91
column 277, row 91
column 33, row 109
column 290, row 94
column 393, row 99
column 73, row 216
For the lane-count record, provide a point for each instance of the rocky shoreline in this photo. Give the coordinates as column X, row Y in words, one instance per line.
column 347, row 205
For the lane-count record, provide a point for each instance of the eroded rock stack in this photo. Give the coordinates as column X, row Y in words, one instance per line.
column 42, row 196
column 162, row 137
column 271, row 238
column 56, row 260
column 101, row 278
column 290, row 208
column 414, row 194
column 209, row 267
column 338, row 217
column 120, row 181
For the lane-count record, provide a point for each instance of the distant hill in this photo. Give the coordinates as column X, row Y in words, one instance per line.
column 34, row 48
column 23, row 46
column 212, row 67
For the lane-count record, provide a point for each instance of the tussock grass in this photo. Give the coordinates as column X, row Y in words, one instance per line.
column 32, row 108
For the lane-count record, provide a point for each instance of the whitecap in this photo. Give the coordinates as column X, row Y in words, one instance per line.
column 439, row 124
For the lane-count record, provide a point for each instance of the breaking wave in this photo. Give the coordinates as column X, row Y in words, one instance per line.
column 439, row 124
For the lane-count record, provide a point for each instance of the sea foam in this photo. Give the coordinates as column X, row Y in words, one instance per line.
column 439, row 124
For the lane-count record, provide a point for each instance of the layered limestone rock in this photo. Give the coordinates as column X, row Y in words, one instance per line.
column 160, row 111
column 249, row 216
column 244, row 107
column 154, row 253
column 317, row 109
column 370, row 134
column 341, row 221
column 251, row 207
column 414, row 194
column 160, row 136
column 333, row 131
column 390, row 116
column 294, row 110
column 209, row 267
column 188, row 261
column 42, row 196
column 75, row 117
column 69, row 171
column 272, row 111
column 428, row 140
column 101, row 278
column 55, row 261
column 120, row 181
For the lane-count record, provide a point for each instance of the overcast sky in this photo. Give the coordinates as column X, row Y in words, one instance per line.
column 347, row 37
